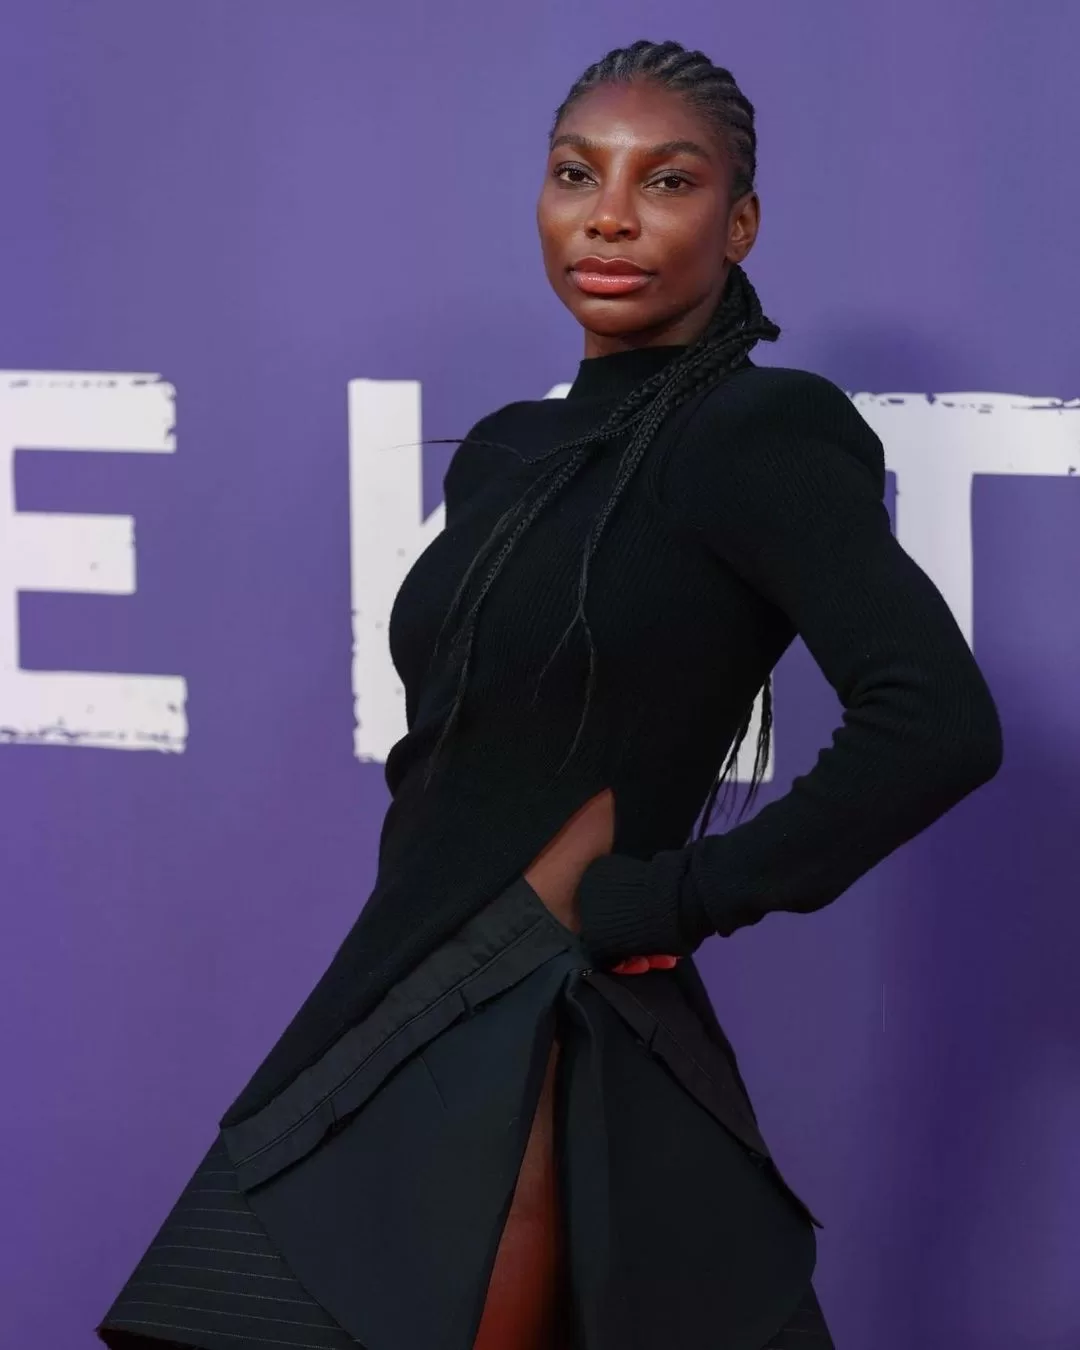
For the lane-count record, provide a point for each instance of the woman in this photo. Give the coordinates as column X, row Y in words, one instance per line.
column 507, row 1115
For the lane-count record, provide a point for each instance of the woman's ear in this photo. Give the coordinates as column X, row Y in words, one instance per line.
column 744, row 221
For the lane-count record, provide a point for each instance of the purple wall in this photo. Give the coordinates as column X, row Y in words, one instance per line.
column 262, row 200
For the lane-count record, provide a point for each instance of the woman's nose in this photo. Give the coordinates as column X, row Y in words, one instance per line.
column 612, row 217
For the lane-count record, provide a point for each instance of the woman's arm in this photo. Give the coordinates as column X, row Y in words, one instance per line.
column 793, row 503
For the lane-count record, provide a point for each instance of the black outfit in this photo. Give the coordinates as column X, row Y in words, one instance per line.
column 757, row 513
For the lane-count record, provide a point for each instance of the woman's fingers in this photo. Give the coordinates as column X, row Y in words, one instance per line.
column 638, row 965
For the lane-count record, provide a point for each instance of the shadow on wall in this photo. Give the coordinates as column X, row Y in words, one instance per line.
column 978, row 1172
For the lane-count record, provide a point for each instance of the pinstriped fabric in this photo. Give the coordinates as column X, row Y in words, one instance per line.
column 806, row 1329
column 212, row 1280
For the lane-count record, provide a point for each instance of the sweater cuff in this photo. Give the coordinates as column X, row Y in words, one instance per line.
column 627, row 910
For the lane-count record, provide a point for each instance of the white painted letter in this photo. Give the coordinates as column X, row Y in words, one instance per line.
column 936, row 444
column 43, row 410
column 387, row 537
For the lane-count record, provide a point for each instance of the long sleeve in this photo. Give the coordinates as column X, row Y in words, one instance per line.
column 794, row 506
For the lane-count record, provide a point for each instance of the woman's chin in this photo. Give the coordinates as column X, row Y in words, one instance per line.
column 615, row 318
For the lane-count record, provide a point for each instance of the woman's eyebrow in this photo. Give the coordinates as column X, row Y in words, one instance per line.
column 660, row 151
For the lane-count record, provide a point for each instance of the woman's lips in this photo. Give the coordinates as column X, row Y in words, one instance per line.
column 609, row 283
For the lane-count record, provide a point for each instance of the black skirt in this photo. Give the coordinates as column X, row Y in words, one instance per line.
column 364, row 1205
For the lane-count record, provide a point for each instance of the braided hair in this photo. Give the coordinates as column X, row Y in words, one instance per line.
column 735, row 327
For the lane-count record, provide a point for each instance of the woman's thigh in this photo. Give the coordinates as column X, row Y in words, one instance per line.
column 526, row 1304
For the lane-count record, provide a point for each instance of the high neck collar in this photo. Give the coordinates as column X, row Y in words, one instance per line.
column 615, row 375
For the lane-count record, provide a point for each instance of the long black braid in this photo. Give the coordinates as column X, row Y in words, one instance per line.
column 736, row 326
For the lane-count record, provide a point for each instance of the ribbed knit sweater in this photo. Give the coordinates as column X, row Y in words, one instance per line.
column 757, row 514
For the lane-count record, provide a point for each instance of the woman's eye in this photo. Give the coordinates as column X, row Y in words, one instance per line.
column 571, row 169
column 672, row 178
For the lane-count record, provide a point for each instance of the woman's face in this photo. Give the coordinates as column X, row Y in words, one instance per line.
column 636, row 226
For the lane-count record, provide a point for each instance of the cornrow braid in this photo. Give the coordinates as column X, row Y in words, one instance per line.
column 711, row 90
column 735, row 327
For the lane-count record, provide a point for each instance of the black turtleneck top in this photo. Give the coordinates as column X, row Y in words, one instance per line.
column 756, row 515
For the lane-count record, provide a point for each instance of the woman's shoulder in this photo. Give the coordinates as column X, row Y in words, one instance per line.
column 776, row 394
column 476, row 456
column 496, row 443
column 784, row 409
